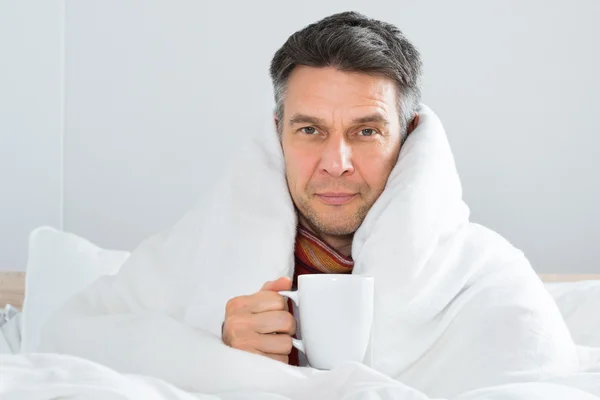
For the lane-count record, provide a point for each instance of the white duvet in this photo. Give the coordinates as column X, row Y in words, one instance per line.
column 53, row 376
column 459, row 312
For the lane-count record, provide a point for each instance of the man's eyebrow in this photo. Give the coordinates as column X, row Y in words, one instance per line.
column 305, row 119
column 372, row 118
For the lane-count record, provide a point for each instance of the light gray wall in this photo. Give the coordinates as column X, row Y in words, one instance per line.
column 31, row 123
column 155, row 97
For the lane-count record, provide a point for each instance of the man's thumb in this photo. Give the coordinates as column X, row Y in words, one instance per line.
column 283, row 283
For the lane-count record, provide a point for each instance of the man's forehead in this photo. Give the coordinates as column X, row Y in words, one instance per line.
column 317, row 92
column 334, row 83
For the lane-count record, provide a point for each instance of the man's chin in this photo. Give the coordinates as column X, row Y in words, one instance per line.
column 334, row 220
column 338, row 230
column 335, row 225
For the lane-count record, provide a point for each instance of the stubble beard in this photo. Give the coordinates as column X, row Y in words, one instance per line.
column 338, row 225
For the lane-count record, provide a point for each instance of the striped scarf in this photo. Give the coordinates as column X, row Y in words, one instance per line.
column 314, row 253
column 314, row 256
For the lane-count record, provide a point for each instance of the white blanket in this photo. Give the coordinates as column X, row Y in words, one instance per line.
column 457, row 308
column 52, row 376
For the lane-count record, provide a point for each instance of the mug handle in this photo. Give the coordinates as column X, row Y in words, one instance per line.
column 294, row 296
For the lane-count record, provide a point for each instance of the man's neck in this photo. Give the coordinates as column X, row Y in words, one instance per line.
column 341, row 243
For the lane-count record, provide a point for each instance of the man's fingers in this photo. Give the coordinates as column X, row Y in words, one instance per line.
column 260, row 323
column 266, row 301
column 274, row 322
column 275, row 344
column 256, row 303
column 283, row 283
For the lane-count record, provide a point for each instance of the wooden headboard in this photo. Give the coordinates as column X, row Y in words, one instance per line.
column 12, row 285
column 569, row 277
column 12, row 289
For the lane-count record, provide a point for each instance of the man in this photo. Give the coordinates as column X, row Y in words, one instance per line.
column 347, row 89
column 359, row 178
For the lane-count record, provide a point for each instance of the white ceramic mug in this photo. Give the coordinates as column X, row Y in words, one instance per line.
column 336, row 314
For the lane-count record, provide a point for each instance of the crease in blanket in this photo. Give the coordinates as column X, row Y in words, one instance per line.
column 457, row 307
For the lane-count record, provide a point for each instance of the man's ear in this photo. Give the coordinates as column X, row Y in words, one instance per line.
column 413, row 124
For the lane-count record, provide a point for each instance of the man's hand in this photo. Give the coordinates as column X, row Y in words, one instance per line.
column 252, row 321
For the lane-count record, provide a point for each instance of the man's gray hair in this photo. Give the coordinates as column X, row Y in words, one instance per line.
column 350, row 41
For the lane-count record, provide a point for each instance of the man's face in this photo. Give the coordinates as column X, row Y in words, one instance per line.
column 340, row 139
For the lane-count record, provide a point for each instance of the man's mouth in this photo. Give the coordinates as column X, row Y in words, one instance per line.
column 336, row 199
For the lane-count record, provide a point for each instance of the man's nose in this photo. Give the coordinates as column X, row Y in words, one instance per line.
column 336, row 159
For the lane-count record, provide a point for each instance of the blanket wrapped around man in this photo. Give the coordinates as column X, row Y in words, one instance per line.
column 457, row 307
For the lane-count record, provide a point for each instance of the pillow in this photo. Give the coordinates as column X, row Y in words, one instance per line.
column 579, row 303
column 10, row 330
column 60, row 265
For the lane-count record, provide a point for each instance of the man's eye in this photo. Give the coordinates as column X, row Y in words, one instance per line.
column 309, row 130
column 367, row 132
